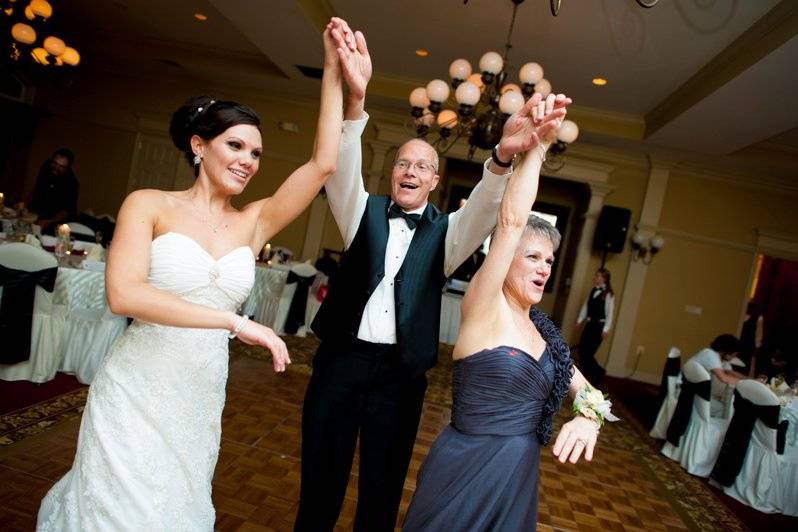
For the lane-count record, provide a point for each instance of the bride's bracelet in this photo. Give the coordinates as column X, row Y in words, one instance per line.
column 239, row 326
column 594, row 405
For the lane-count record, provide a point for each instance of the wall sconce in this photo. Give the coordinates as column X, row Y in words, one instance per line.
column 646, row 251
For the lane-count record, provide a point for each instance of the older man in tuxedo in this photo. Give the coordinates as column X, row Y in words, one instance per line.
column 379, row 323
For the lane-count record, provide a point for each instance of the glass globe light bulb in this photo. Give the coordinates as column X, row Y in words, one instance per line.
column 460, row 69
column 437, row 90
column 511, row 101
column 491, row 62
column 530, row 73
column 418, row 97
column 467, row 93
column 568, row 131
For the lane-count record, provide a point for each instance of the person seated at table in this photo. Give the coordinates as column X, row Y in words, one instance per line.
column 55, row 196
column 716, row 359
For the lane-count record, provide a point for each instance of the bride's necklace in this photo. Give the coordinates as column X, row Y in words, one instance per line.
column 207, row 221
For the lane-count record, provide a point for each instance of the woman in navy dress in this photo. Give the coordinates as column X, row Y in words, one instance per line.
column 510, row 372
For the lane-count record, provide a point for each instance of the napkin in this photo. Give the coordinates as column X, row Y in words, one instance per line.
column 33, row 241
column 96, row 253
column 93, row 265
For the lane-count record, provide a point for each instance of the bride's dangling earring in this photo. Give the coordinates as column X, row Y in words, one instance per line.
column 197, row 159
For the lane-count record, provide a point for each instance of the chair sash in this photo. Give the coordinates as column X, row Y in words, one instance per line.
column 684, row 408
column 16, row 310
column 296, row 312
column 738, row 436
column 83, row 238
column 672, row 368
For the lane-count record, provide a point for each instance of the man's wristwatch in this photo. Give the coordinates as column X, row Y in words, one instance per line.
column 495, row 156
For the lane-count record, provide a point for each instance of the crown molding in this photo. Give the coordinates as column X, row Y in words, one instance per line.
column 767, row 34
column 739, row 180
column 319, row 12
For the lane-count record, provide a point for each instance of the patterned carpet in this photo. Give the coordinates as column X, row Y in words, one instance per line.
column 18, row 425
column 695, row 503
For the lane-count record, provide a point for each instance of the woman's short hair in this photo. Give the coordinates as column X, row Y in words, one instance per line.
column 540, row 227
column 207, row 118
column 726, row 343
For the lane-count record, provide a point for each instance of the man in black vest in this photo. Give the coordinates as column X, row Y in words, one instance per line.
column 379, row 323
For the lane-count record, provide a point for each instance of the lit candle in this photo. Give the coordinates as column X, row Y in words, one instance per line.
column 63, row 230
column 2, row 199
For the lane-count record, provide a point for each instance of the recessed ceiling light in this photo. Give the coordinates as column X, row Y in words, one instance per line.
column 599, row 82
column 199, row 15
column 422, row 52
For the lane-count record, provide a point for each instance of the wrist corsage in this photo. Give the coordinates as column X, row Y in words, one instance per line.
column 592, row 404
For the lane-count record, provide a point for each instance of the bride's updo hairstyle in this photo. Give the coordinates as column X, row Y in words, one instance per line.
column 207, row 118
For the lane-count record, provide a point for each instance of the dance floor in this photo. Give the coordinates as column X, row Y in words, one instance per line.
column 628, row 486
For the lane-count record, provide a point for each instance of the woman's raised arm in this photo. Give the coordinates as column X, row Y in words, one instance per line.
column 537, row 122
column 298, row 191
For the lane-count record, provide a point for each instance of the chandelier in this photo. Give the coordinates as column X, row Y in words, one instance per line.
column 485, row 100
column 30, row 37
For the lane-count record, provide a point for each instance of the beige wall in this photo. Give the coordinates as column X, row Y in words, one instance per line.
column 98, row 118
column 710, row 230
column 629, row 186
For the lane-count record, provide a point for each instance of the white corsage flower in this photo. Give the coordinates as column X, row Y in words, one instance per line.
column 592, row 404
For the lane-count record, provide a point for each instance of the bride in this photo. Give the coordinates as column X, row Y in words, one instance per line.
column 181, row 264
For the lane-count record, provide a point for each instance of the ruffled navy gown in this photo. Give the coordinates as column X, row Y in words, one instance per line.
column 482, row 471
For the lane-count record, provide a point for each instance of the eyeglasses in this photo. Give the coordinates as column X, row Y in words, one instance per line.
column 422, row 166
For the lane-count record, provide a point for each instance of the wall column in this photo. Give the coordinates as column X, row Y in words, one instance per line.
column 379, row 150
column 621, row 347
column 598, row 193
column 311, row 249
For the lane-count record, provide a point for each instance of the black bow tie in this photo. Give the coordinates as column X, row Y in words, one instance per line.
column 411, row 219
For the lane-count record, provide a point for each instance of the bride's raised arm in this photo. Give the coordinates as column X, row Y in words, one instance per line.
column 537, row 120
column 299, row 189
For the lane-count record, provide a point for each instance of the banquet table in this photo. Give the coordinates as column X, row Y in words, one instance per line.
column 264, row 299
column 450, row 317
column 789, row 412
column 78, row 289
column 79, row 330
column 270, row 299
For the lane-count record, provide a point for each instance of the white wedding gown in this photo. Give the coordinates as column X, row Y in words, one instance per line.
column 150, row 433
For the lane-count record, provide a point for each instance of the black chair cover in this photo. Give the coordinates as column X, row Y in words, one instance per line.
column 296, row 312
column 16, row 310
column 738, row 436
column 684, row 408
column 672, row 368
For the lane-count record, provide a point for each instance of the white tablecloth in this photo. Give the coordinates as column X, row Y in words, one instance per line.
column 80, row 289
column 80, row 330
column 450, row 317
column 790, row 413
column 264, row 299
column 270, row 299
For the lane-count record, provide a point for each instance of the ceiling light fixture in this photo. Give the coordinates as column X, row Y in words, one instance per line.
column 484, row 102
column 421, row 52
column 26, row 26
column 202, row 17
column 599, row 82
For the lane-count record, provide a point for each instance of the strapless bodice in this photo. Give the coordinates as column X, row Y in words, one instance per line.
column 178, row 264
column 500, row 391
